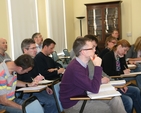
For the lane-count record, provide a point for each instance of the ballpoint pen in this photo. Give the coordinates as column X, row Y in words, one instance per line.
column 41, row 75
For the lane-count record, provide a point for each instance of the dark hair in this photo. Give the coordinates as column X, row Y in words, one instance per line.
column 77, row 45
column 26, row 43
column 35, row 35
column 25, row 61
column 92, row 37
column 47, row 42
column 123, row 43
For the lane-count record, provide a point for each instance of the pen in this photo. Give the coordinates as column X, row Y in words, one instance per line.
column 32, row 79
column 41, row 75
column 125, row 67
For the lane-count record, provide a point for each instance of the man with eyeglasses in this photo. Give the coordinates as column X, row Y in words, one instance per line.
column 76, row 82
column 45, row 97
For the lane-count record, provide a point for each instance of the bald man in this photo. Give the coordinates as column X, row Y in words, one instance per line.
column 3, row 48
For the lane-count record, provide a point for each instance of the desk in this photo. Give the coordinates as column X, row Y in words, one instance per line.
column 88, row 98
column 33, row 89
column 122, row 86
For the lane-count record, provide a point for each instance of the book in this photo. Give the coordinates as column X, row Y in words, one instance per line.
column 105, row 91
column 36, row 88
column 45, row 81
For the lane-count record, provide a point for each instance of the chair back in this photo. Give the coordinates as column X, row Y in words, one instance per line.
column 32, row 105
column 55, row 56
column 66, row 52
column 56, row 89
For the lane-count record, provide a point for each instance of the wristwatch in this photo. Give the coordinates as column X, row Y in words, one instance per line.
column 26, row 85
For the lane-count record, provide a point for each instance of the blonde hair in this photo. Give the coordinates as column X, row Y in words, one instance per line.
column 109, row 39
column 123, row 43
column 137, row 44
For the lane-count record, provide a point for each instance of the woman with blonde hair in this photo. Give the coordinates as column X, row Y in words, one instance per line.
column 134, row 57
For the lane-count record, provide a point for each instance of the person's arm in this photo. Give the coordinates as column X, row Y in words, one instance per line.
column 82, row 79
column 42, row 66
column 4, row 101
column 26, row 84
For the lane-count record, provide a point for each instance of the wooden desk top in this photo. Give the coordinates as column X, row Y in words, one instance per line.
column 33, row 89
column 88, row 98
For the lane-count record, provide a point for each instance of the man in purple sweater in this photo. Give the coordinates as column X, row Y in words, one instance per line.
column 76, row 82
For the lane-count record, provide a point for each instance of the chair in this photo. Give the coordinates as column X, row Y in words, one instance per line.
column 57, row 59
column 55, row 56
column 56, row 89
column 67, row 54
column 32, row 105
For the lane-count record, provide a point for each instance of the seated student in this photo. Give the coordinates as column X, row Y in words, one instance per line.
column 114, row 63
column 3, row 49
column 109, row 44
column 133, row 55
column 8, row 82
column 46, row 65
column 37, row 37
column 76, row 82
column 45, row 97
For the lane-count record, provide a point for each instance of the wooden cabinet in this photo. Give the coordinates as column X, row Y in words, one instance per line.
column 102, row 18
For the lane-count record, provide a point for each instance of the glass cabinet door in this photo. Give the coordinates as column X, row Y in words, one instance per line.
column 111, row 19
column 95, row 22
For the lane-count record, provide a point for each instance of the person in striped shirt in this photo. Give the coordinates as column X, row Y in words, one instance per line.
column 8, row 82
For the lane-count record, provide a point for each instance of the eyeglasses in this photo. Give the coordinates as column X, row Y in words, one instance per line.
column 32, row 48
column 88, row 48
column 113, row 42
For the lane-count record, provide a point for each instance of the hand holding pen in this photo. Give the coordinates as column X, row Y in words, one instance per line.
column 39, row 78
column 126, row 70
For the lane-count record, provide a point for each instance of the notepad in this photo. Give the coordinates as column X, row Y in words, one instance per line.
column 106, row 90
column 32, row 88
column 131, row 65
column 117, row 82
column 45, row 81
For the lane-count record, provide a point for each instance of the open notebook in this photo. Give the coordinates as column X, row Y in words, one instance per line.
column 106, row 90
